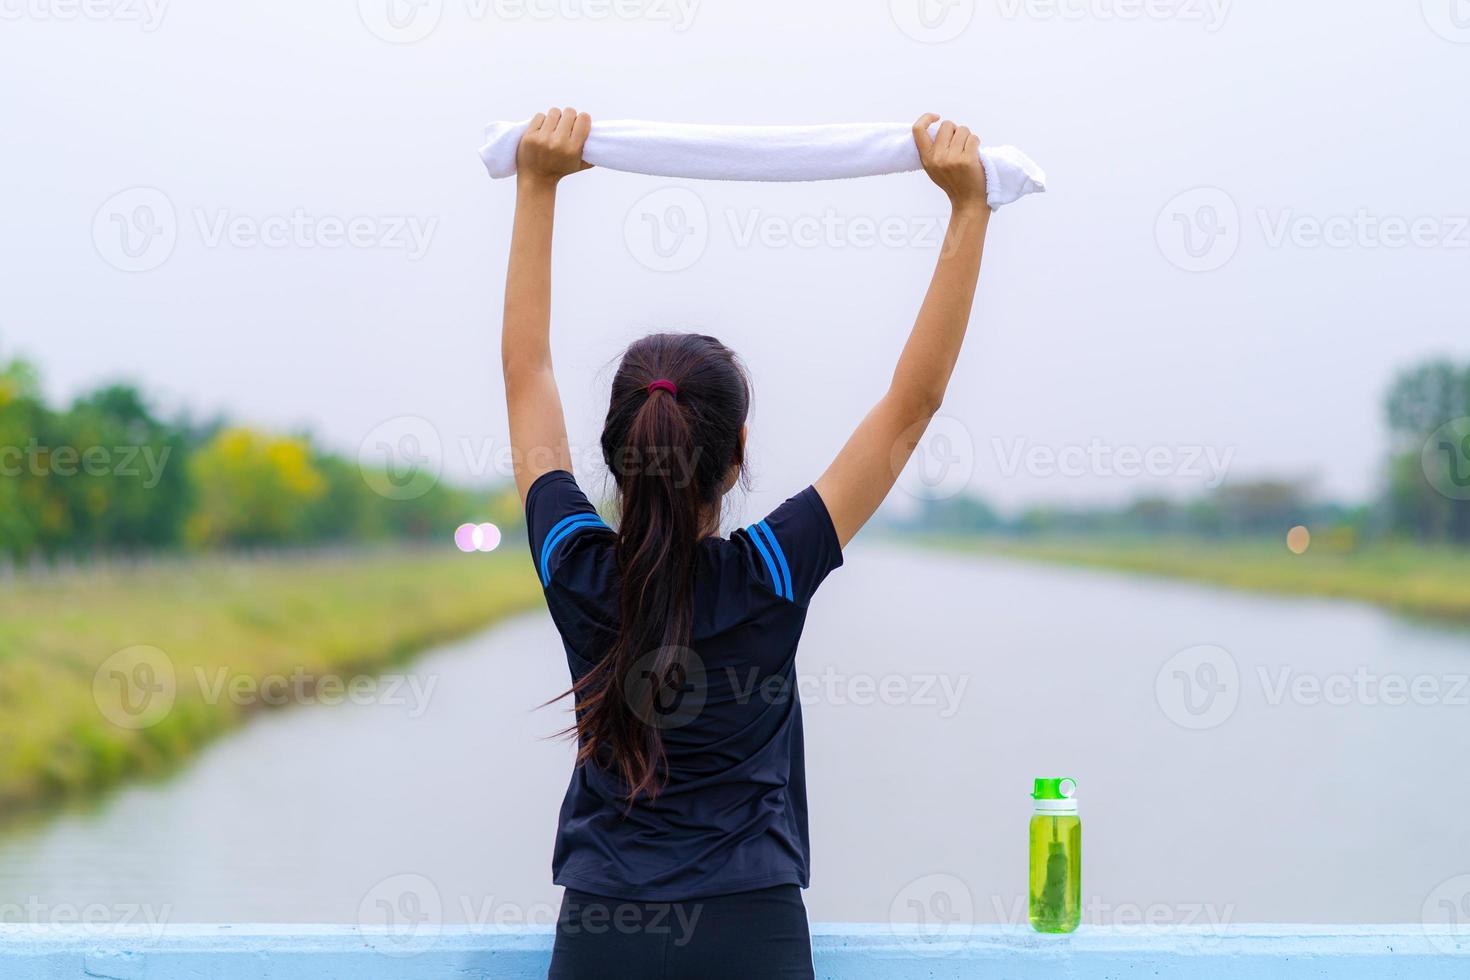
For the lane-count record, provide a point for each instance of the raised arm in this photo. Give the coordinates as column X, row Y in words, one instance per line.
column 551, row 149
column 866, row 468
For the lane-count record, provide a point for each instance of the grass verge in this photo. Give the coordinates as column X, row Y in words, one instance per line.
column 110, row 674
column 1412, row 579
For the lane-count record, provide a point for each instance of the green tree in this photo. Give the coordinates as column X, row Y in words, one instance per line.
column 26, row 510
column 1420, row 401
column 129, row 486
column 1262, row 507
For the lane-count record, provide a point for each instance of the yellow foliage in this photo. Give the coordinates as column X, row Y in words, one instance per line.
column 252, row 487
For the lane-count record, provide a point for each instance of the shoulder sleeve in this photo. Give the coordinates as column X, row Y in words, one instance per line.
column 557, row 513
column 796, row 546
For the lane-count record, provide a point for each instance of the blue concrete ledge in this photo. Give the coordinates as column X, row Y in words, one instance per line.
column 842, row 952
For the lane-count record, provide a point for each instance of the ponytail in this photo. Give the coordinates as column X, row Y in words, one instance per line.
column 671, row 439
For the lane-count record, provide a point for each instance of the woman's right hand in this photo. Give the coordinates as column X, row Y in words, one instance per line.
column 951, row 158
column 552, row 145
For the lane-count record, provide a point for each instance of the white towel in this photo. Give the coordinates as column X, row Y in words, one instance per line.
column 781, row 153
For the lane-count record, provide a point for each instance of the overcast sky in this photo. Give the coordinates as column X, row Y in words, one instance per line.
column 179, row 178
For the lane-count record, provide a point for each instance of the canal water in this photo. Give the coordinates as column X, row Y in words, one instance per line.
column 1240, row 758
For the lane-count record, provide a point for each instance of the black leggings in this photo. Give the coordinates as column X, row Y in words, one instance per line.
column 751, row 934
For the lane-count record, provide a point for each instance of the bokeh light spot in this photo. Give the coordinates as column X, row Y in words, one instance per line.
column 487, row 537
column 464, row 537
column 1298, row 539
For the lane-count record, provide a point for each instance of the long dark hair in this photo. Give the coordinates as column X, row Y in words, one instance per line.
column 671, row 454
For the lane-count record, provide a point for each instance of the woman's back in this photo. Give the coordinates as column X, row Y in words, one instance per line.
column 730, row 812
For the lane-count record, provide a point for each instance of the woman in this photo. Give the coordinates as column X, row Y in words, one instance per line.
column 682, row 841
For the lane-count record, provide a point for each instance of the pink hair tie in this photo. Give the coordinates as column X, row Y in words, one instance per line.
column 663, row 384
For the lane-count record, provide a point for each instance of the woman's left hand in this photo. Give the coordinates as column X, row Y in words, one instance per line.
column 552, row 147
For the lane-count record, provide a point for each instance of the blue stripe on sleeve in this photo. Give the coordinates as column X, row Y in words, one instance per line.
column 563, row 528
column 546, row 542
column 780, row 557
column 766, row 555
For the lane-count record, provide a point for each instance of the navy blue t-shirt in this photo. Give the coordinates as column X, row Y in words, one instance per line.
column 731, row 815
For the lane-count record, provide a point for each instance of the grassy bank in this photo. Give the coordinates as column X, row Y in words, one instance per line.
column 109, row 674
column 1412, row 579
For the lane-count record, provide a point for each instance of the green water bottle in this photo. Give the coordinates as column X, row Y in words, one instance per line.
column 1056, row 857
